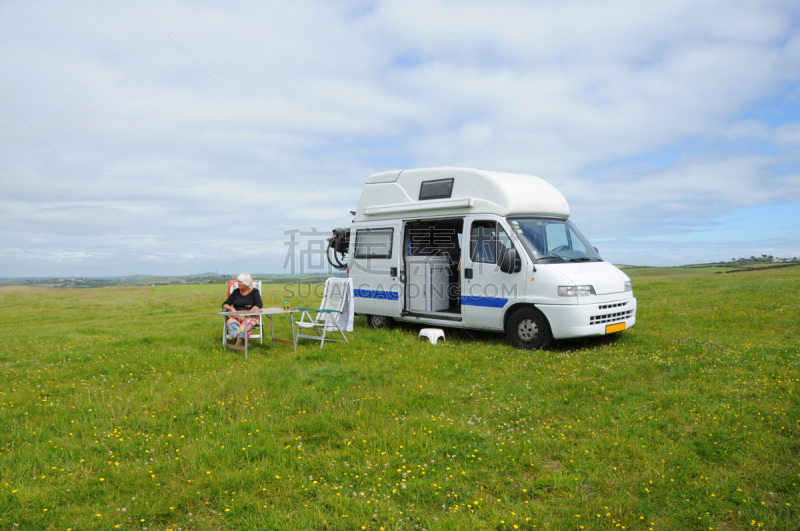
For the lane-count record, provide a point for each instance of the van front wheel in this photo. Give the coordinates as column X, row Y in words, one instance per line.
column 379, row 321
column 528, row 329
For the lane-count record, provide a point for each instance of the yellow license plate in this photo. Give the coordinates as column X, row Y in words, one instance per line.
column 619, row 327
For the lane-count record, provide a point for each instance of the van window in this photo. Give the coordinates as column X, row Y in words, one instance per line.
column 482, row 245
column 553, row 240
column 503, row 243
column 556, row 235
column 374, row 243
column 438, row 189
column 575, row 241
column 488, row 242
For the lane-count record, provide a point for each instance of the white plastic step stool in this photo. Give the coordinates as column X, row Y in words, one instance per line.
column 433, row 334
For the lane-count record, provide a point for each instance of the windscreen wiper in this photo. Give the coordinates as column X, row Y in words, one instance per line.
column 583, row 259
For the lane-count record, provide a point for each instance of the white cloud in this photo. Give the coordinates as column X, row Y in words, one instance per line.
column 646, row 115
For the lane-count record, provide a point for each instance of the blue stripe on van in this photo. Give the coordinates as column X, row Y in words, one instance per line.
column 488, row 302
column 376, row 294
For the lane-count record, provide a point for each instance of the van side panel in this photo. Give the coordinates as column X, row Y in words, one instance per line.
column 375, row 251
column 486, row 291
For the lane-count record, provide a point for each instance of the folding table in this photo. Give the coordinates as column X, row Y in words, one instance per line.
column 268, row 312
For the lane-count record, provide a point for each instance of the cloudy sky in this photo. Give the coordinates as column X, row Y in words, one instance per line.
column 139, row 136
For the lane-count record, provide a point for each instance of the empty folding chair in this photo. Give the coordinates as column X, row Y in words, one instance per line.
column 330, row 310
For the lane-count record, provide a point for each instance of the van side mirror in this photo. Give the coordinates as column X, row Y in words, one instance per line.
column 510, row 263
column 595, row 250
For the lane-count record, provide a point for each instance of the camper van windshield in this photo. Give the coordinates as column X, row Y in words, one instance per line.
column 549, row 240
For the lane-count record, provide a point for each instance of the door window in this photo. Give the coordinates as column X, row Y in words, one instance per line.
column 488, row 242
column 374, row 243
column 483, row 243
column 503, row 243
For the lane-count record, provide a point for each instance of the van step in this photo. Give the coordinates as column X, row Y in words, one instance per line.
column 432, row 315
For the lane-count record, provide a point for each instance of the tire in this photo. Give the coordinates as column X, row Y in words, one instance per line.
column 527, row 329
column 379, row 321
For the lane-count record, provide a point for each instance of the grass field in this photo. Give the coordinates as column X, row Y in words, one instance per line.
column 118, row 409
column 638, row 272
column 722, row 267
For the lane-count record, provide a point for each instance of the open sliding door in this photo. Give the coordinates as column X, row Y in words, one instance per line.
column 376, row 253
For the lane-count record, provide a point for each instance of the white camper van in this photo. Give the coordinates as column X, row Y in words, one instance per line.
column 468, row 248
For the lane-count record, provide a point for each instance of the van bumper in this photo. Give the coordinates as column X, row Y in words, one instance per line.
column 586, row 320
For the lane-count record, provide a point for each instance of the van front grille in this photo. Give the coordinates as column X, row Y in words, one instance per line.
column 615, row 305
column 610, row 317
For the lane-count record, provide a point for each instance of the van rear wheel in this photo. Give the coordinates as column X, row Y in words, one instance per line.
column 379, row 321
column 528, row 329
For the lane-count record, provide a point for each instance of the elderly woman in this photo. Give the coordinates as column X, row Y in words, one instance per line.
column 245, row 297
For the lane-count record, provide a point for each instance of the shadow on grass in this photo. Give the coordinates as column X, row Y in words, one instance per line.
column 498, row 338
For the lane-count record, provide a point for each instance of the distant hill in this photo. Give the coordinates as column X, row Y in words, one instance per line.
column 736, row 266
column 150, row 280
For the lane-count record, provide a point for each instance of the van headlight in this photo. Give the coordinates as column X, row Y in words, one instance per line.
column 575, row 291
column 628, row 286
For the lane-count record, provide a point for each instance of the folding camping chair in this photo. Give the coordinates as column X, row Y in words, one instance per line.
column 327, row 318
column 232, row 285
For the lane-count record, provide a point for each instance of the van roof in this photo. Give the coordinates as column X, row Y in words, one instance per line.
column 396, row 194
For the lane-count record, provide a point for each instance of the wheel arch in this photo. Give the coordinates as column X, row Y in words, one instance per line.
column 518, row 306
column 373, row 319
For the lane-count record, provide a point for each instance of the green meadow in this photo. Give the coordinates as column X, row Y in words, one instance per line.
column 120, row 410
